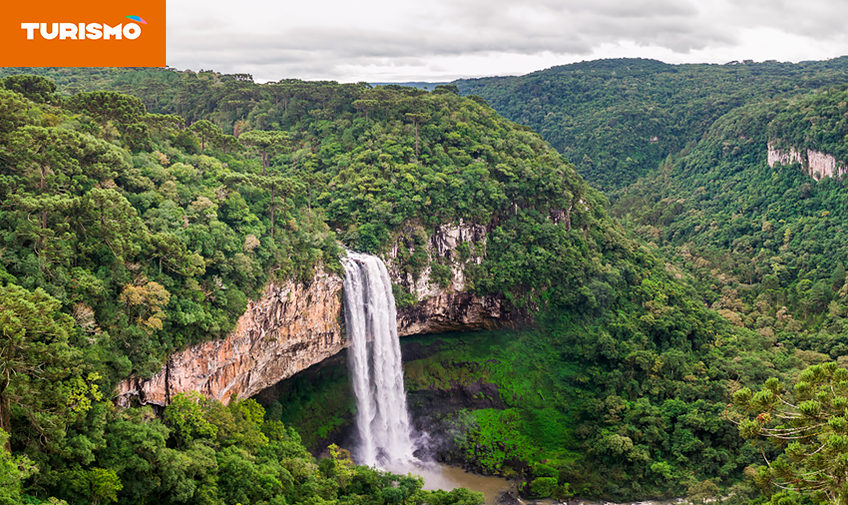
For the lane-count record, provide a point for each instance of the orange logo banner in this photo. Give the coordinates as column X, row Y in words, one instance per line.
column 90, row 33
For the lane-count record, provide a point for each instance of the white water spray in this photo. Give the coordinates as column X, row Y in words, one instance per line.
column 382, row 419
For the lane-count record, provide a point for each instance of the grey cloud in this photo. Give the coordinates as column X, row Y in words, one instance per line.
column 351, row 43
column 646, row 8
column 576, row 35
column 626, row 9
column 484, row 27
column 820, row 19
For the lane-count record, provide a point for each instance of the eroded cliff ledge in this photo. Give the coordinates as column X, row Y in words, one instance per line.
column 291, row 327
column 816, row 163
column 295, row 325
column 442, row 303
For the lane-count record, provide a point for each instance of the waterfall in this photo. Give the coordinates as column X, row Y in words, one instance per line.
column 382, row 419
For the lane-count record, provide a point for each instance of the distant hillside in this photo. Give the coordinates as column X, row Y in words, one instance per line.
column 616, row 120
column 743, row 211
column 429, row 86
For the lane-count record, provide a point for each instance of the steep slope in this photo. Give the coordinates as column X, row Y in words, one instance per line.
column 190, row 237
column 756, row 212
column 617, row 119
column 299, row 323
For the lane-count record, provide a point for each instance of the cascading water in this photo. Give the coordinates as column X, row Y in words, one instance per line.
column 382, row 419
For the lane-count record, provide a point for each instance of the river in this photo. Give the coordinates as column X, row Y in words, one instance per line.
column 441, row 476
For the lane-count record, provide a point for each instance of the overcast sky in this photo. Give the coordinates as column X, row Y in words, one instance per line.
column 441, row 40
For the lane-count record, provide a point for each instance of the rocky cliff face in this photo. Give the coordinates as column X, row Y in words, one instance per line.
column 822, row 165
column 443, row 305
column 782, row 156
column 296, row 325
column 442, row 249
column 455, row 311
column 816, row 163
column 290, row 328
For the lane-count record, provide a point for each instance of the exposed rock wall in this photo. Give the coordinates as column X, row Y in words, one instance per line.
column 455, row 311
column 441, row 248
column 290, row 328
column 822, row 165
column 816, row 163
column 443, row 308
column 296, row 325
column 779, row 156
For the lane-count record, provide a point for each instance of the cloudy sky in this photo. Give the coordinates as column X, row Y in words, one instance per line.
column 441, row 40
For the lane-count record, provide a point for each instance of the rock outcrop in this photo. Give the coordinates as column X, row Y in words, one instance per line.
column 783, row 157
column 822, row 165
column 296, row 325
column 442, row 249
column 455, row 311
column 290, row 328
column 443, row 304
column 816, row 163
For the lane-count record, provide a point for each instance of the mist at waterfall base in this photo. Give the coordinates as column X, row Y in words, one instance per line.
column 385, row 436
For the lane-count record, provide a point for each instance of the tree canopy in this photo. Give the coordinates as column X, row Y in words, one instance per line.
column 617, row 119
column 133, row 226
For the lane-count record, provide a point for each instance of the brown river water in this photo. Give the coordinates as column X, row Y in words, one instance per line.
column 441, row 476
column 449, row 477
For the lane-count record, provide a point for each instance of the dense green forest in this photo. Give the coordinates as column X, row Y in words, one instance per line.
column 128, row 235
column 135, row 224
column 616, row 120
column 765, row 245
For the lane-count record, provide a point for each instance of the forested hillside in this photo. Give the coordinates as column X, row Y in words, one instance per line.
column 767, row 245
column 616, row 120
column 128, row 235
column 136, row 225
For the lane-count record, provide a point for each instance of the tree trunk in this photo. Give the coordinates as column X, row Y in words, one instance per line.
column 43, row 185
column 272, row 215
column 5, row 420
column 416, row 140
